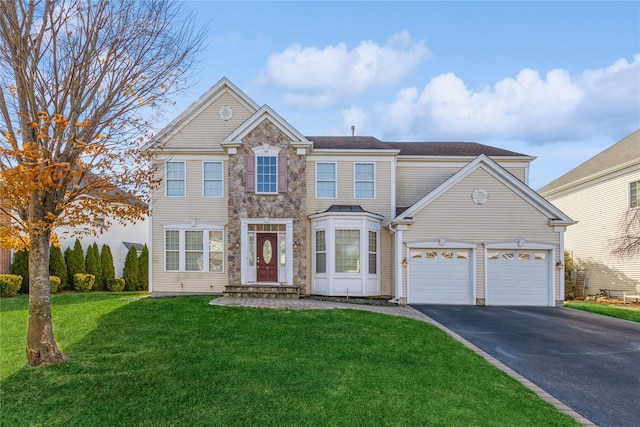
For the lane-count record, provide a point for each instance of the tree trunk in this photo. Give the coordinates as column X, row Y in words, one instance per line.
column 41, row 346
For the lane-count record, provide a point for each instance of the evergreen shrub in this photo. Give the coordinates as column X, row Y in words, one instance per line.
column 130, row 272
column 57, row 265
column 94, row 266
column 83, row 282
column 106, row 260
column 54, row 284
column 143, row 269
column 10, row 284
column 75, row 262
column 20, row 267
column 115, row 285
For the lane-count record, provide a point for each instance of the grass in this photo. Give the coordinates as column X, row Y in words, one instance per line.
column 631, row 313
column 179, row 361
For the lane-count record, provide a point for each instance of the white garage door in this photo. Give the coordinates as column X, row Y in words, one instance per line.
column 440, row 276
column 518, row 277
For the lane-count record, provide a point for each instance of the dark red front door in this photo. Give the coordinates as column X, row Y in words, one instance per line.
column 267, row 257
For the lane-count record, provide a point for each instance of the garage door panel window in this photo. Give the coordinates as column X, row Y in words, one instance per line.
column 539, row 256
column 432, row 254
column 462, row 254
column 415, row 253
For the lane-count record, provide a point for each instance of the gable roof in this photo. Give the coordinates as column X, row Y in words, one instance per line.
column 265, row 112
column 223, row 86
column 556, row 217
column 620, row 155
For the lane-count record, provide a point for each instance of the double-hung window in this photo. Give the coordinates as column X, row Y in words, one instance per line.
column 373, row 252
column 634, row 194
column 266, row 174
column 212, row 179
column 325, row 180
column 175, row 179
column 194, row 250
column 365, row 181
column 321, row 252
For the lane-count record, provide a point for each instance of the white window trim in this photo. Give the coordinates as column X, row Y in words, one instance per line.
column 181, row 228
column 166, row 180
column 355, row 181
column 265, row 150
column 221, row 178
column 335, row 180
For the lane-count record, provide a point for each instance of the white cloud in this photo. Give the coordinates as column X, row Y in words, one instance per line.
column 530, row 107
column 313, row 77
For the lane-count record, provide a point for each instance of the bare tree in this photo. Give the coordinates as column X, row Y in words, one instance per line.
column 81, row 85
column 627, row 243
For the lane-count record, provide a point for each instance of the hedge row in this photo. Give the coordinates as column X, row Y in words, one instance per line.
column 97, row 263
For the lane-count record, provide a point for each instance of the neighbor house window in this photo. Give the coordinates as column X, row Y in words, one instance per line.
column 175, row 179
column 634, row 194
column 326, row 180
column 266, row 174
column 194, row 250
column 373, row 252
column 347, row 251
column 212, row 179
column 321, row 252
column 365, row 182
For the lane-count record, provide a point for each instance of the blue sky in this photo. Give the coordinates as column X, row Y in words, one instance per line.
column 556, row 80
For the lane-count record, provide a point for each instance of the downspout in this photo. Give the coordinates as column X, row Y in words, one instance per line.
column 398, row 269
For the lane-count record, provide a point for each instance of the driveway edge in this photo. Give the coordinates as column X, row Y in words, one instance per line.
column 581, row 419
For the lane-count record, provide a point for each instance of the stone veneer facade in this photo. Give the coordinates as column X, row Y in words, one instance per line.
column 290, row 204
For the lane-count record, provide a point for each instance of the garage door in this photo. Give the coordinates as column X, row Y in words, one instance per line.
column 440, row 276
column 518, row 277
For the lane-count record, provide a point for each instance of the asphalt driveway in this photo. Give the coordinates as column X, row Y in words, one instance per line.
column 589, row 362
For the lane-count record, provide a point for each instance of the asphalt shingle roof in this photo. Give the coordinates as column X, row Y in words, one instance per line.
column 469, row 149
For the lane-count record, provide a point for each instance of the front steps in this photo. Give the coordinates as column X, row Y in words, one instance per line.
column 262, row 291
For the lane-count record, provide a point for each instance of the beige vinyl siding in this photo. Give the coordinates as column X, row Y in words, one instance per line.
column 207, row 129
column 598, row 208
column 505, row 216
column 381, row 205
column 172, row 211
column 417, row 179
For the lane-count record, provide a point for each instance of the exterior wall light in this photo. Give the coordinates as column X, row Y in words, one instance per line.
column 404, row 262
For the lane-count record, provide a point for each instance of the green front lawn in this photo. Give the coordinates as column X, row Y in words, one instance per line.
column 632, row 312
column 179, row 361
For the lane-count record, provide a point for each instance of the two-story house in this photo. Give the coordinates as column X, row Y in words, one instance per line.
column 246, row 200
column 602, row 194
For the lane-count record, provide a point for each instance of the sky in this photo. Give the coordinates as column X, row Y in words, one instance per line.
column 559, row 80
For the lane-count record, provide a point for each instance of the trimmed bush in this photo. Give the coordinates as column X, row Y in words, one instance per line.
column 54, row 284
column 115, row 285
column 106, row 260
column 83, row 282
column 57, row 265
column 20, row 267
column 10, row 284
column 143, row 269
column 94, row 266
column 130, row 272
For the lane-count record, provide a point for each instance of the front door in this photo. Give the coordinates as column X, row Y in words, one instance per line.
column 267, row 257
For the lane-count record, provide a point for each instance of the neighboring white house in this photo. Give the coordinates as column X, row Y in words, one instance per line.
column 248, row 203
column 598, row 194
column 119, row 237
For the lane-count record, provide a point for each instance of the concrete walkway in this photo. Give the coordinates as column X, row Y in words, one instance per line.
column 405, row 311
